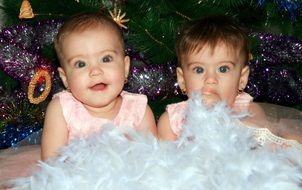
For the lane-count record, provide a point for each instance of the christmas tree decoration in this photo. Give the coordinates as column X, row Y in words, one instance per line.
column 38, row 76
column 18, row 117
column 26, row 11
column 118, row 18
column 20, row 63
column 155, row 81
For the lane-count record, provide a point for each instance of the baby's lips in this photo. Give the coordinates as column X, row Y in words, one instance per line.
column 208, row 91
column 98, row 87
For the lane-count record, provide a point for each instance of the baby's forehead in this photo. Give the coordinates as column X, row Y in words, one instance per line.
column 220, row 51
column 97, row 29
column 102, row 33
column 212, row 48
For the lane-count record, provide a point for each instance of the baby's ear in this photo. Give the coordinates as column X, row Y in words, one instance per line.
column 63, row 76
column 180, row 78
column 245, row 72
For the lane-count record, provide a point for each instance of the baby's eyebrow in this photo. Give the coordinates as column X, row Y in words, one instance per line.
column 231, row 62
column 107, row 51
column 194, row 63
column 202, row 63
column 70, row 60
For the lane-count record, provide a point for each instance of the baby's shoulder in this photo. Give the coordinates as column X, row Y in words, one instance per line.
column 177, row 106
column 256, row 116
column 66, row 102
column 63, row 95
column 54, row 102
column 256, row 111
column 53, row 108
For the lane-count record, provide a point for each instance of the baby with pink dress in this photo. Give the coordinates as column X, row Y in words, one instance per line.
column 94, row 69
column 213, row 60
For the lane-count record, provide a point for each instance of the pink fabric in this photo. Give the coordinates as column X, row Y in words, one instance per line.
column 81, row 123
column 177, row 115
column 177, row 111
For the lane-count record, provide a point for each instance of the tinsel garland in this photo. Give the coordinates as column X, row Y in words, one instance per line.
column 155, row 81
column 21, row 49
column 32, row 37
column 272, row 77
column 18, row 118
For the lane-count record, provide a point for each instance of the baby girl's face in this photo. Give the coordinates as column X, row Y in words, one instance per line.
column 94, row 66
column 216, row 74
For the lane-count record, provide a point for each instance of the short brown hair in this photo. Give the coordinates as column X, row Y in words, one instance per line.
column 211, row 30
column 83, row 21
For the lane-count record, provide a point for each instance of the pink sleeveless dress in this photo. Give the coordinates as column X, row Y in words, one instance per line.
column 22, row 161
column 81, row 123
column 177, row 115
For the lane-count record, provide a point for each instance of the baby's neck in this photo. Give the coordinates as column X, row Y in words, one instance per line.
column 109, row 111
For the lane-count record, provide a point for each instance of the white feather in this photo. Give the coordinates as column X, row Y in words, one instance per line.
column 214, row 152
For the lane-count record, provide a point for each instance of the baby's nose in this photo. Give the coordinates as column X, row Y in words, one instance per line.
column 96, row 70
column 211, row 78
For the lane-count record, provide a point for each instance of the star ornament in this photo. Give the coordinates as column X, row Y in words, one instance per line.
column 118, row 18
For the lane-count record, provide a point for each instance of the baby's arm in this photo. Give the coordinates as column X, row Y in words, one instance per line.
column 257, row 116
column 292, row 136
column 148, row 122
column 55, row 132
column 260, row 120
column 257, row 111
column 164, row 130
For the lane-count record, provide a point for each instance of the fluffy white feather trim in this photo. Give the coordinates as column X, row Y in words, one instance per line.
column 214, row 152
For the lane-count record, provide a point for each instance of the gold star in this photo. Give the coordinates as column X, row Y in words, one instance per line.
column 118, row 18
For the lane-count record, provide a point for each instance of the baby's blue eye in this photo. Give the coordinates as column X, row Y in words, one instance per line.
column 198, row 70
column 80, row 64
column 107, row 59
column 223, row 69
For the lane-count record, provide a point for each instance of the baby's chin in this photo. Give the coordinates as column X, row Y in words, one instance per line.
column 210, row 99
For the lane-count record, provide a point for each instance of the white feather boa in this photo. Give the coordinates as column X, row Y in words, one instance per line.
column 214, row 152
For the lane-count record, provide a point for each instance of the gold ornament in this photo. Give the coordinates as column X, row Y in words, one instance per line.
column 251, row 57
column 40, row 74
column 118, row 18
column 26, row 11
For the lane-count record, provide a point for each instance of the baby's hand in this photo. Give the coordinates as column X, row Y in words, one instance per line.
column 210, row 99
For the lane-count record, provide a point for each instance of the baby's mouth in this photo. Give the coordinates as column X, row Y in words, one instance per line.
column 98, row 87
column 208, row 92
